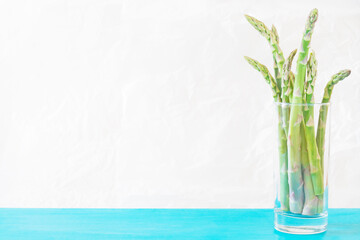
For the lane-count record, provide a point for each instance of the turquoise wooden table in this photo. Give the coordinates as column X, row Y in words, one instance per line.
column 79, row 224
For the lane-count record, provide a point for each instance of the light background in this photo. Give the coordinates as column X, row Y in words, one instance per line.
column 151, row 104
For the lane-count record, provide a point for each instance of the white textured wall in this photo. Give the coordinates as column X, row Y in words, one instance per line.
column 151, row 104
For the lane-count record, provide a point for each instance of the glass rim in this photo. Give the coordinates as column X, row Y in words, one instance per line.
column 302, row 104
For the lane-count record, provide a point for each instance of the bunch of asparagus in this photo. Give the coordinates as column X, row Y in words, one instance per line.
column 301, row 150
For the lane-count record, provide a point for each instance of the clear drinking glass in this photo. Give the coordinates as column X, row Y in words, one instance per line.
column 301, row 167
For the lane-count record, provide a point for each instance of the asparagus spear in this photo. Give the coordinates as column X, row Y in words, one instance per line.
column 334, row 80
column 321, row 129
column 273, row 39
column 284, row 186
column 296, row 117
column 311, row 77
column 268, row 78
column 320, row 135
column 276, row 68
column 275, row 32
column 286, row 90
column 311, row 200
column 292, row 80
column 285, row 81
column 314, row 157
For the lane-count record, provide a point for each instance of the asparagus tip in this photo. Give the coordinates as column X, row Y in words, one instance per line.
column 313, row 15
column 343, row 73
column 340, row 76
column 275, row 34
column 248, row 59
column 248, row 17
column 293, row 53
column 252, row 62
column 348, row 72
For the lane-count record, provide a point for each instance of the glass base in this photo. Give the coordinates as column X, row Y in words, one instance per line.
column 300, row 224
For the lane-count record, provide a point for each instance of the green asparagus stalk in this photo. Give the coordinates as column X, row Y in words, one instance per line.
column 286, row 90
column 283, row 165
column 275, row 32
column 273, row 38
column 284, row 186
column 311, row 200
column 285, row 81
column 321, row 129
column 311, row 77
column 296, row 117
column 276, row 57
column 291, row 90
column 268, row 78
column 314, row 157
column 276, row 68
column 320, row 135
